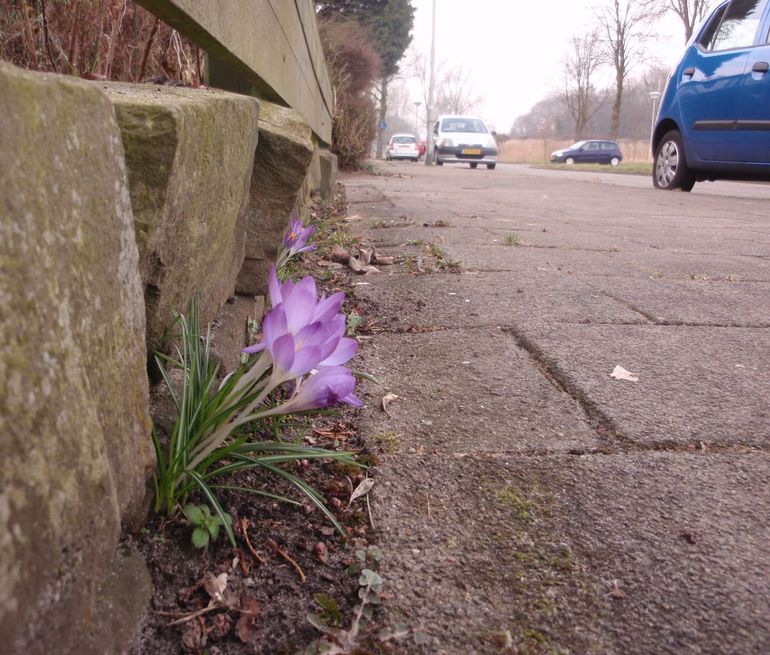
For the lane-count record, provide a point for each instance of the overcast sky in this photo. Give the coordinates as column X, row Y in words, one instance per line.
column 513, row 49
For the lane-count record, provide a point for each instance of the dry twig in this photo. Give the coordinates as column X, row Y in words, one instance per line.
column 255, row 554
column 280, row 551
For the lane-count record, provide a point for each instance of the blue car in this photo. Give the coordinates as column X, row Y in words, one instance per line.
column 714, row 118
column 589, row 152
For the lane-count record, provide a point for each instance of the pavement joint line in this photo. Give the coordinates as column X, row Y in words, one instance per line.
column 689, row 448
column 628, row 305
column 576, row 274
column 732, row 326
column 605, row 428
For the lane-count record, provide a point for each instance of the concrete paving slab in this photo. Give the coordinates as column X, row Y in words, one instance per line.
column 651, row 553
column 408, row 303
column 693, row 302
column 671, row 264
column 696, row 384
column 655, row 540
column 467, row 391
column 522, row 259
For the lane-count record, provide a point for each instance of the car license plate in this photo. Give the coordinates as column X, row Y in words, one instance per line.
column 471, row 151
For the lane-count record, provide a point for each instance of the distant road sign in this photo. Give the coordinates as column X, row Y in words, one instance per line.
column 383, row 125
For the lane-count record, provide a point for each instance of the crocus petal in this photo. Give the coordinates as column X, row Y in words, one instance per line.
column 322, row 389
column 274, row 325
column 342, row 353
column 308, row 283
column 305, row 360
column 257, row 347
column 299, row 307
column 312, row 334
column 283, row 352
column 350, row 399
column 328, row 307
column 298, row 240
column 274, row 287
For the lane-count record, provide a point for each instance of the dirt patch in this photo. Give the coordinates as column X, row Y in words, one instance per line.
column 285, row 556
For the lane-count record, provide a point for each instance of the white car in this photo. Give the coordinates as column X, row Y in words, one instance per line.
column 463, row 139
column 403, row 146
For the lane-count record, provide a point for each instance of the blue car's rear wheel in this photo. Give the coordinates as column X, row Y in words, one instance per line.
column 670, row 169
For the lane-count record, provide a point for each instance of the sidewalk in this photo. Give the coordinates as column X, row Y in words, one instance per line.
column 526, row 502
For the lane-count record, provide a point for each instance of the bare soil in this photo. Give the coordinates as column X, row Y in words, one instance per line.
column 285, row 556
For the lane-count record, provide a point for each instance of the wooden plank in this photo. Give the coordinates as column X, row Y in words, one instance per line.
column 269, row 48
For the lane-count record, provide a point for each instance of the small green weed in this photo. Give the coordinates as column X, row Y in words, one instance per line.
column 205, row 525
column 443, row 263
column 360, row 637
column 388, row 441
column 512, row 239
column 353, row 321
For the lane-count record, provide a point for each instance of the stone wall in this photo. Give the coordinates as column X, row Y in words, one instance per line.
column 75, row 450
column 118, row 203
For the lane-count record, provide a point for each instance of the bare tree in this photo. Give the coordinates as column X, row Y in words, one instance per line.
column 455, row 92
column 690, row 12
column 578, row 94
column 625, row 26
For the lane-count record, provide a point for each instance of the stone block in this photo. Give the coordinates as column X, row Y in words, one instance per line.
column 230, row 334
column 283, row 154
column 328, row 170
column 189, row 154
column 75, row 450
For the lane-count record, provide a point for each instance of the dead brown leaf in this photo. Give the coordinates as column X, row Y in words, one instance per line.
column 215, row 586
column 194, row 637
column 321, row 551
column 339, row 255
column 362, row 489
column 382, row 260
column 247, row 621
column 221, row 625
column 616, row 591
column 386, row 400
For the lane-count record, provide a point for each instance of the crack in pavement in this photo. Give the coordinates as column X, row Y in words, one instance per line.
column 607, row 431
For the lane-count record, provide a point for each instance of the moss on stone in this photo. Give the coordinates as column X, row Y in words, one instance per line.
column 75, row 452
column 190, row 156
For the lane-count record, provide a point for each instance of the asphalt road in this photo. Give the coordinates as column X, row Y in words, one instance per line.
column 718, row 188
column 528, row 501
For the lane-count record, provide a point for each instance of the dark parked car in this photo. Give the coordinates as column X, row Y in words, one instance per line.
column 589, row 152
column 714, row 118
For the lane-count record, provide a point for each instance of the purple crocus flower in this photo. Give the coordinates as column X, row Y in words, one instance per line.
column 329, row 386
column 280, row 292
column 311, row 321
column 297, row 236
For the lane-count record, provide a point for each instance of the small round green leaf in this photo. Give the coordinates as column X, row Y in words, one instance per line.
column 200, row 538
column 193, row 514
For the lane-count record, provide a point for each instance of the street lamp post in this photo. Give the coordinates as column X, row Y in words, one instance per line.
column 654, row 96
column 429, row 106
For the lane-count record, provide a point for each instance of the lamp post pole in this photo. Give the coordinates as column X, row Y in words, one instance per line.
column 429, row 106
column 654, row 96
